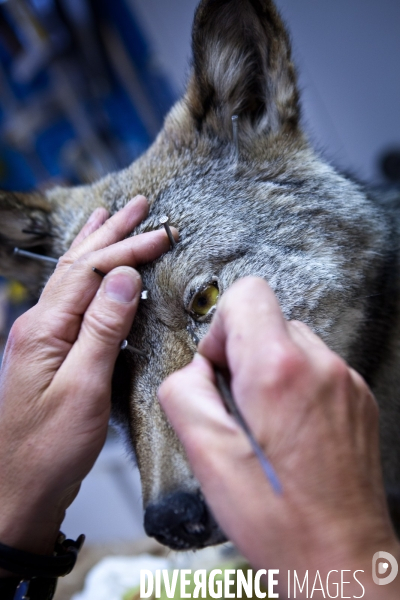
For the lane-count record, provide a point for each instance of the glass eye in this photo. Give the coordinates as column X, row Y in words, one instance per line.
column 204, row 300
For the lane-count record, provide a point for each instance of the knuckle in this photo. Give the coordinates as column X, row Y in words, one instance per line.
column 335, row 370
column 115, row 227
column 87, row 261
column 74, row 258
column 79, row 264
column 104, row 324
column 287, row 364
column 271, row 377
column 19, row 333
column 67, row 259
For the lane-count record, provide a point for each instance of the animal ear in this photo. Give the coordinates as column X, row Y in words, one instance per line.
column 242, row 66
column 25, row 222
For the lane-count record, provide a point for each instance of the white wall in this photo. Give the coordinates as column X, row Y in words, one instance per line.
column 348, row 53
column 109, row 504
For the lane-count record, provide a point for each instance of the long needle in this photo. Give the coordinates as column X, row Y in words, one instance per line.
column 40, row 257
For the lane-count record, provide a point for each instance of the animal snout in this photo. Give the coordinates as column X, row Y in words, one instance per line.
column 182, row 521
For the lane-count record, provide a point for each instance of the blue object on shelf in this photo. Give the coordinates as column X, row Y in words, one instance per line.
column 86, row 113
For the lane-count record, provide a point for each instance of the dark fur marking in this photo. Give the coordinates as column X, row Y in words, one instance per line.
column 255, row 28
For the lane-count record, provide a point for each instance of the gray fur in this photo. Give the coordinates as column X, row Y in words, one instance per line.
column 325, row 245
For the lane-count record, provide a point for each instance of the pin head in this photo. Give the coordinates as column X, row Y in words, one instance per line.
column 164, row 220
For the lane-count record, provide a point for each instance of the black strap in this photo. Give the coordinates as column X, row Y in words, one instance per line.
column 36, row 589
column 8, row 585
column 28, row 565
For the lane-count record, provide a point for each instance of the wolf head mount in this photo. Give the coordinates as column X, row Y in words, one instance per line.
column 257, row 202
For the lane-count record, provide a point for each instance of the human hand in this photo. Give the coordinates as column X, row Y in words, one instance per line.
column 55, row 385
column 317, row 422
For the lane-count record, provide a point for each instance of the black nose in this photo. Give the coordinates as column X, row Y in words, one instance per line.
column 180, row 521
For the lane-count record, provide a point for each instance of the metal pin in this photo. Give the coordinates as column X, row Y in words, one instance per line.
column 235, row 131
column 165, row 221
column 49, row 259
column 126, row 346
column 231, row 406
column 194, row 337
column 98, row 272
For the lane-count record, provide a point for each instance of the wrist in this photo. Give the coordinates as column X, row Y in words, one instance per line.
column 31, row 526
column 30, row 532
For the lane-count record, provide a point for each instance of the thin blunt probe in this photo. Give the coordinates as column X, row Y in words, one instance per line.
column 232, row 408
column 49, row 259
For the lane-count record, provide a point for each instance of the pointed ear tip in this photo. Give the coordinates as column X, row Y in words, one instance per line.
column 233, row 72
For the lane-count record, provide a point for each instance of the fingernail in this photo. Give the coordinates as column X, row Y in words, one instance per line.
column 122, row 286
column 94, row 216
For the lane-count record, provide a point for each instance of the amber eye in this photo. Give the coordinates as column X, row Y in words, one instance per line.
column 204, row 300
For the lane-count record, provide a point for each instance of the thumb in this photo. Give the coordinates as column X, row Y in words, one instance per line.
column 195, row 410
column 105, row 325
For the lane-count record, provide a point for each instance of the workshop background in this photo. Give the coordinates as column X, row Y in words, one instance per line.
column 84, row 88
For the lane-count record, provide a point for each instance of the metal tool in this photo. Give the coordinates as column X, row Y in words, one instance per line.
column 126, row 346
column 49, row 259
column 98, row 272
column 231, row 406
column 165, row 221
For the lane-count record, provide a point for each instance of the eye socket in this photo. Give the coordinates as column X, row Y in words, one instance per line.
column 204, row 300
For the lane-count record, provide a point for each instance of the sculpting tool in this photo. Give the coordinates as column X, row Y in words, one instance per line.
column 231, row 406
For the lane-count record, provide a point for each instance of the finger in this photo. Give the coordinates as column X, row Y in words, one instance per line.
column 247, row 318
column 217, row 449
column 249, row 335
column 96, row 220
column 113, row 230
column 71, row 295
column 137, row 250
column 195, row 410
column 89, row 365
column 247, row 315
column 304, row 336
